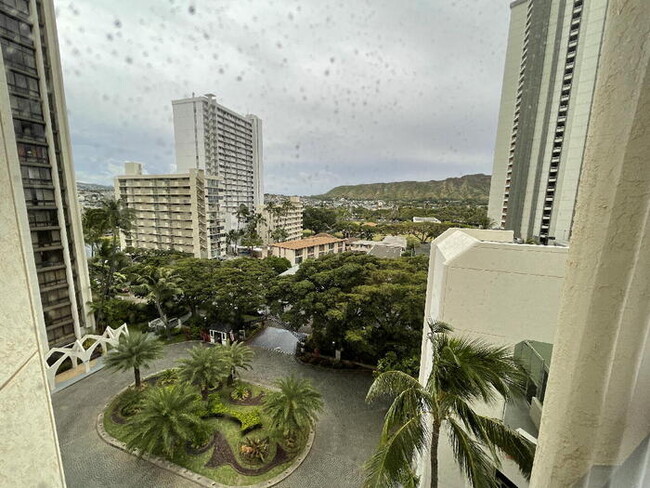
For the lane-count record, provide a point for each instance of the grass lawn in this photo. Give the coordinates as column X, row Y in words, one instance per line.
column 231, row 430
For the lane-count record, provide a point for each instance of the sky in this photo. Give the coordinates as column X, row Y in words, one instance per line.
column 349, row 91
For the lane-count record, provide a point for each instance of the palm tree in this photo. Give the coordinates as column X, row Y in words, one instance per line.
column 160, row 285
column 294, row 409
column 169, row 417
column 242, row 214
column 134, row 350
column 234, row 357
column 203, row 368
column 232, row 239
column 464, row 372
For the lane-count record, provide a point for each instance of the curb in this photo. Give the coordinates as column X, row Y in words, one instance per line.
column 191, row 475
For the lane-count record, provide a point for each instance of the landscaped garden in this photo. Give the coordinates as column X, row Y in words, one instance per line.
column 203, row 417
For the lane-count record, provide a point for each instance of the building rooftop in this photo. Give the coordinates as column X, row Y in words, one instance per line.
column 317, row 240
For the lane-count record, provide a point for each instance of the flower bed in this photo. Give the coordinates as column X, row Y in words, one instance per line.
column 231, row 423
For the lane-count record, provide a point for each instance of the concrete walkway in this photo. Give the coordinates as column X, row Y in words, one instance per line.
column 346, row 434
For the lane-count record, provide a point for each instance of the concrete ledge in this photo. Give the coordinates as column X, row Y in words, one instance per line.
column 191, row 475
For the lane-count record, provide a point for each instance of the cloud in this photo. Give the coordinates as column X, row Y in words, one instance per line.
column 349, row 92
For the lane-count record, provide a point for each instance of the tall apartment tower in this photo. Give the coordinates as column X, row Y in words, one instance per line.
column 552, row 60
column 228, row 147
column 35, row 145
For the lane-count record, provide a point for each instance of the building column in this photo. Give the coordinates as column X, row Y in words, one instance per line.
column 596, row 414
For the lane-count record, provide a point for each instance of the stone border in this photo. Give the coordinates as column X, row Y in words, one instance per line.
column 188, row 474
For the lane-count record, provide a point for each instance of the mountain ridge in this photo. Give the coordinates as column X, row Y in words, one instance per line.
column 466, row 187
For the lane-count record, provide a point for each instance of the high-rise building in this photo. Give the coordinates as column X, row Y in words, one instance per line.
column 168, row 210
column 35, row 144
column 551, row 65
column 228, row 147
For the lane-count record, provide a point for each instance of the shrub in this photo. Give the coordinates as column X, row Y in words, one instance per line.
column 249, row 419
column 129, row 402
column 168, row 377
column 255, row 449
column 240, row 392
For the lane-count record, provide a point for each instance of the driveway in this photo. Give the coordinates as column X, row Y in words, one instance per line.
column 346, row 434
column 276, row 339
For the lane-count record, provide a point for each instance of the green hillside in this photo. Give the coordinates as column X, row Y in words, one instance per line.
column 468, row 187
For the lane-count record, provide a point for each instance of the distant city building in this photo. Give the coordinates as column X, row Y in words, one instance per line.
column 426, row 219
column 488, row 288
column 551, row 65
column 228, row 148
column 313, row 247
column 92, row 196
column 35, row 143
column 389, row 247
column 285, row 215
column 169, row 210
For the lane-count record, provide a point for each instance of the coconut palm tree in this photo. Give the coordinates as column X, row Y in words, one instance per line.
column 464, row 372
column 169, row 417
column 294, row 408
column 135, row 350
column 160, row 285
column 234, row 357
column 204, row 368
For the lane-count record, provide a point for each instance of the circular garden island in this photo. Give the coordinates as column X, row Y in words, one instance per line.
column 202, row 417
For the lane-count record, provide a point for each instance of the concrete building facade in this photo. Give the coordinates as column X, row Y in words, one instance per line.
column 595, row 428
column 286, row 216
column 311, row 248
column 552, row 61
column 486, row 287
column 36, row 146
column 227, row 146
column 169, row 210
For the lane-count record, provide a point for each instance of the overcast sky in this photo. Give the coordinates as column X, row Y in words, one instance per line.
column 349, row 91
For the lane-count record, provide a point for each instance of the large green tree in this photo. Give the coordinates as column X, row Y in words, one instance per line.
column 134, row 351
column 465, row 372
column 319, row 219
column 294, row 408
column 168, row 417
column 362, row 304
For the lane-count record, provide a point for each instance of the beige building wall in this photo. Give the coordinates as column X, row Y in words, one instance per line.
column 595, row 428
column 169, row 210
column 488, row 288
column 290, row 221
column 29, row 447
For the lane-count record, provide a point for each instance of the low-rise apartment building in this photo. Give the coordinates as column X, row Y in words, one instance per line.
column 286, row 216
column 311, row 248
column 169, row 210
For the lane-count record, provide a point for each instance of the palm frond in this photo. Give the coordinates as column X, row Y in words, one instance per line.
column 473, row 369
column 391, row 384
column 492, row 432
column 472, row 459
column 390, row 465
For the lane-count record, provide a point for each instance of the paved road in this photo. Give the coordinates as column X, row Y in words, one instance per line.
column 276, row 339
column 345, row 435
